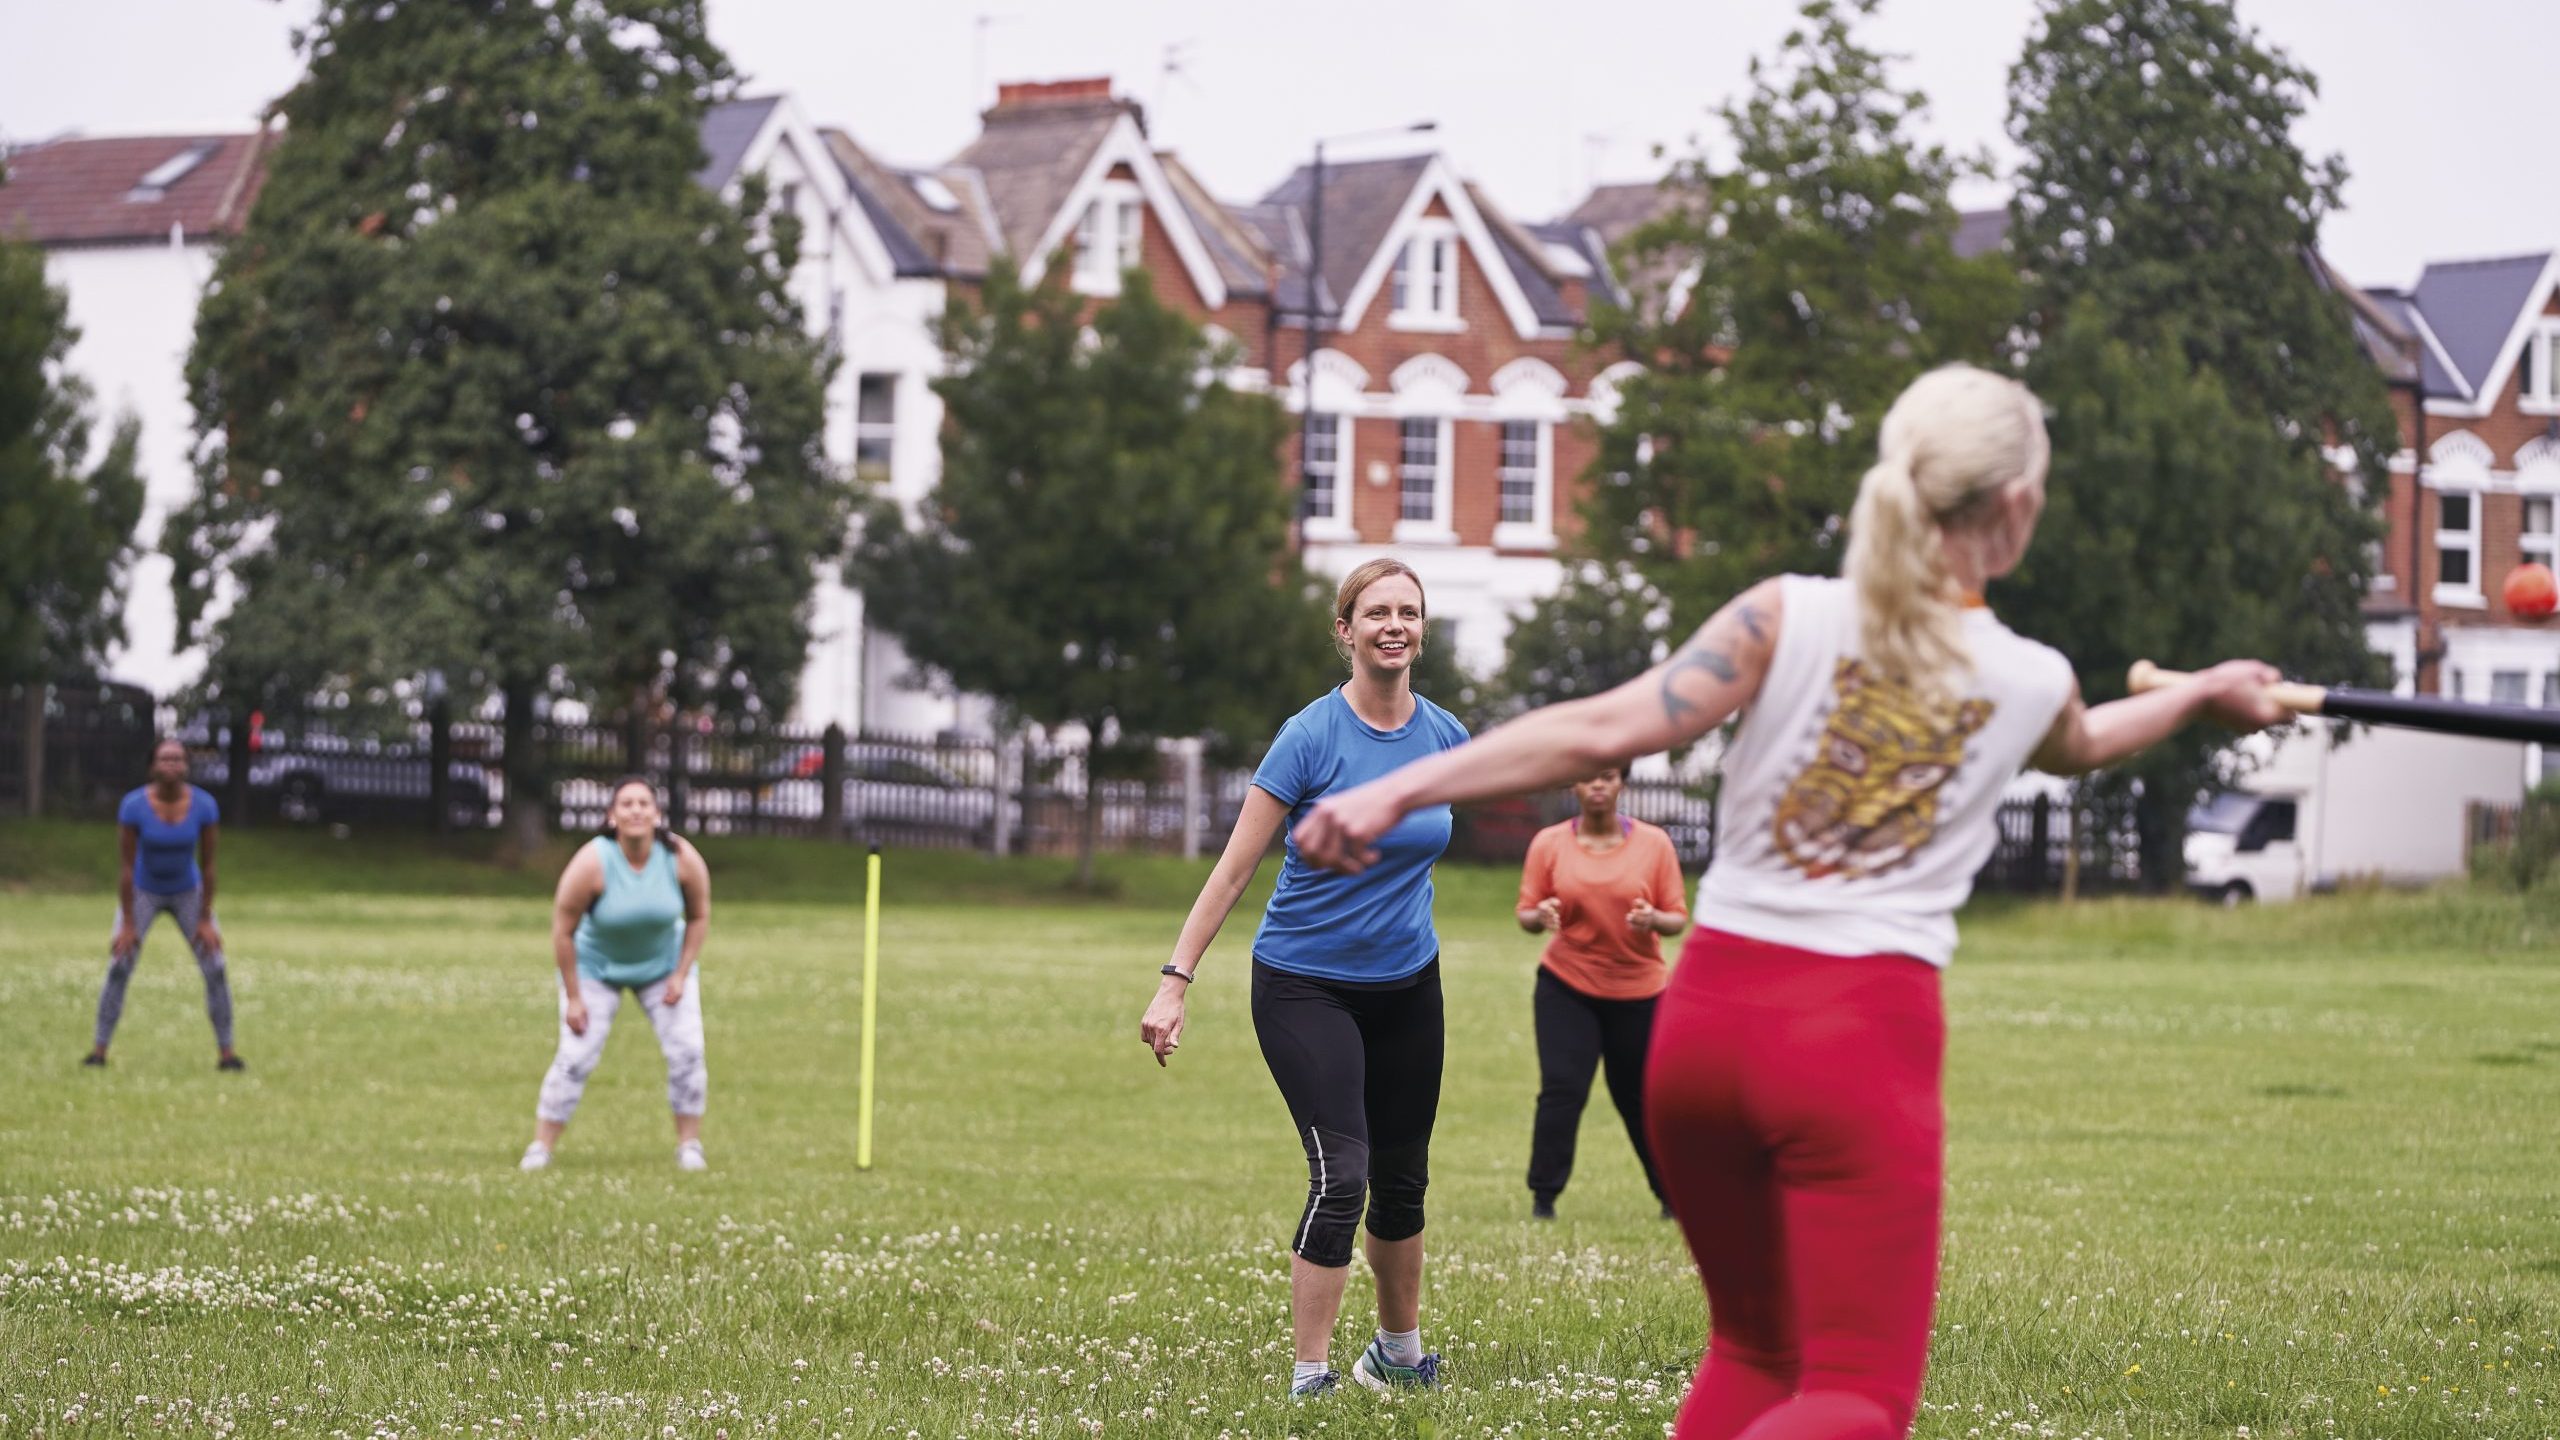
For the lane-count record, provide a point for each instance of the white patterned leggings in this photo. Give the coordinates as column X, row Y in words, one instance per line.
column 679, row 1028
column 183, row 909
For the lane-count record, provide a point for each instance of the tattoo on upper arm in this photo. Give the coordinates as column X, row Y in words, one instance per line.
column 1712, row 654
column 1698, row 654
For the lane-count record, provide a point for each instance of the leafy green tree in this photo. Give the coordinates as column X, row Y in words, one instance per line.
column 2179, row 526
column 1107, row 546
column 1815, row 275
column 2159, row 175
column 490, row 386
column 1440, row 676
column 66, row 518
column 2165, row 217
column 1595, row 632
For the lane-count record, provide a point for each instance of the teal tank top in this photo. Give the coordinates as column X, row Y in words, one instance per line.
column 634, row 932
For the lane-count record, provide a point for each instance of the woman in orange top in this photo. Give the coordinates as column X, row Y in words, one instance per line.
column 1607, row 888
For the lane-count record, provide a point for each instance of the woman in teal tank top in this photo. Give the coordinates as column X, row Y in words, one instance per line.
column 629, row 917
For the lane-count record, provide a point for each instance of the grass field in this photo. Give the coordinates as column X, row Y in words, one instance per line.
column 2285, row 1173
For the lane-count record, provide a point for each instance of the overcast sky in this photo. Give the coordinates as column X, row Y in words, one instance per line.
column 2443, row 109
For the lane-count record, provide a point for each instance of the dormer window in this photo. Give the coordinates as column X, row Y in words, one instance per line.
column 2538, row 372
column 1110, row 238
column 1426, row 277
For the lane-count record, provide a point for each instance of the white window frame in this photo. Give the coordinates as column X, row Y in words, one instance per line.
column 1110, row 237
column 1440, row 528
column 1129, row 217
column 1335, row 525
column 2540, row 364
column 884, row 432
column 2468, row 596
column 1538, row 532
column 2541, row 545
column 1429, row 263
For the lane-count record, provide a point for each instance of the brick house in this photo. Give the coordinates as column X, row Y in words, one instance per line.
column 1451, row 401
column 2475, row 486
column 1446, row 390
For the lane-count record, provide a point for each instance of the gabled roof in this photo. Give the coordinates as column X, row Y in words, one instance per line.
column 1614, row 211
column 1583, row 246
column 924, row 237
column 1236, row 246
column 1030, row 158
column 1361, row 202
column 2390, row 341
column 2472, row 308
column 75, row 191
column 727, row 131
column 1526, row 254
column 1281, row 232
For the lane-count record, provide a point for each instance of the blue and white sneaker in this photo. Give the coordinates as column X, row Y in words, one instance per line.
column 1315, row 1385
column 1374, row 1370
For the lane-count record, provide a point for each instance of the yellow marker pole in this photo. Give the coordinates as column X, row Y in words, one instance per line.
column 870, row 1004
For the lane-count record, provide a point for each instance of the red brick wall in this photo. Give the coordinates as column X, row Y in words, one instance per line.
column 1488, row 342
column 2505, row 430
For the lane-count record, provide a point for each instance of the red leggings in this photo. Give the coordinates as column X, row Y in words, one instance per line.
column 1792, row 1100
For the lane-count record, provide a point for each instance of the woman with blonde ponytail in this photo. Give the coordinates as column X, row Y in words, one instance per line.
column 1791, row 1095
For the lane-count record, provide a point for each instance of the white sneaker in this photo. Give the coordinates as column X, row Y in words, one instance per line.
column 537, row 1156
column 689, row 1156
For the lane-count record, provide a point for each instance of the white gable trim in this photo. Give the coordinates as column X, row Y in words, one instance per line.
column 2484, row 395
column 1124, row 145
column 785, row 128
column 2427, row 333
column 1437, row 180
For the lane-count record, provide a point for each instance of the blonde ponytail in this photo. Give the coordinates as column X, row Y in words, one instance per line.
column 1956, row 436
column 1909, row 623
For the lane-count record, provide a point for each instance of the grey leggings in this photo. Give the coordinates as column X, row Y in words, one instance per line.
column 185, row 908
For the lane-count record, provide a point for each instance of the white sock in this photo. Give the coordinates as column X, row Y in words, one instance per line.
column 1404, row 1349
column 1306, row 1370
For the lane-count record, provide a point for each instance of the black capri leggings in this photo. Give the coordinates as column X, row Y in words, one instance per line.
column 1359, row 1065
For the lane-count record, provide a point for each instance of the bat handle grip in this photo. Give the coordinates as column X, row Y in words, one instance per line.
column 2299, row 698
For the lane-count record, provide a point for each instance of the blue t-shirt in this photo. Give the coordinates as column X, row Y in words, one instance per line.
column 1375, row 925
column 165, row 862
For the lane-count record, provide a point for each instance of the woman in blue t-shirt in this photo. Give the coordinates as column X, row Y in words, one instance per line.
column 1346, row 983
column 165, row 835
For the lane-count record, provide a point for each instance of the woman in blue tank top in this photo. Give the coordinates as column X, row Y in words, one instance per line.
column 629, row 917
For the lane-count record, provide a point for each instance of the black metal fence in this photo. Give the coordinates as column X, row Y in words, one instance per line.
column 1019, row 796
column 95, row 745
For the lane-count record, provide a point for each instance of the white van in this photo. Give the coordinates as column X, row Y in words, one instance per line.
column 2385, row 805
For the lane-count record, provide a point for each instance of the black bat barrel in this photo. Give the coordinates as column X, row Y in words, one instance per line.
column 2453, row 717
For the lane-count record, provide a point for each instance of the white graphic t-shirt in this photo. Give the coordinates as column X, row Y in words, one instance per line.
column 1854, row 812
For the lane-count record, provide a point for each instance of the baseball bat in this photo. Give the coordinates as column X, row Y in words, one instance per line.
column 2381, row 707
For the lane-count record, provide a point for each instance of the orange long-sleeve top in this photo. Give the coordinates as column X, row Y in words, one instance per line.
column 1594, row 950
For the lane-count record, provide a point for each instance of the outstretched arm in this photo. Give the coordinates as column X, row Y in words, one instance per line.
column 1259, row 820
column 2086, row 738
column 1700, row 687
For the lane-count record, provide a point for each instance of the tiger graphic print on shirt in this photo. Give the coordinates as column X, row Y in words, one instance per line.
column 1869, row 799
